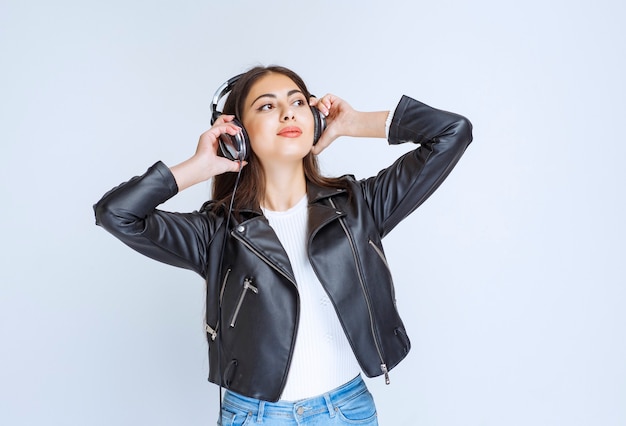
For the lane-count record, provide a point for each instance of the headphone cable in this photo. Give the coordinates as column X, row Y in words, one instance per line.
column 218, row 345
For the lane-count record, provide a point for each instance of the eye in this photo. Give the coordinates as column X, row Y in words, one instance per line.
column 299, row 102
column 265, row 107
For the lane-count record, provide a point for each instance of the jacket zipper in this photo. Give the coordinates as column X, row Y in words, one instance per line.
column 263, row 257
column 207, row 327
column 380, row 254
column 247, row 286
column 383, row 365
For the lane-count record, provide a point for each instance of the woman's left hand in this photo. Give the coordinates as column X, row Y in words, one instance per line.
column 343, row 120
column 340, row 118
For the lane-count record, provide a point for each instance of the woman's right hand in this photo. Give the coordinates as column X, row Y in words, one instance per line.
column 205, row 163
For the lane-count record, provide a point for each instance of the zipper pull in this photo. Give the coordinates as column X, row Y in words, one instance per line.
column 383, row 367
column 247, row 284
column 211, row 331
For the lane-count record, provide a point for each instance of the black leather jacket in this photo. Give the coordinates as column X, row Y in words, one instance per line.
column 259, row 295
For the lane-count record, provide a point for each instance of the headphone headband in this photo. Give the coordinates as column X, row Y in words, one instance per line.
column 222, row 91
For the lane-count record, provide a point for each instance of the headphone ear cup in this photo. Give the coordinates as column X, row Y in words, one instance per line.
column 235, row 147
column 319, row 123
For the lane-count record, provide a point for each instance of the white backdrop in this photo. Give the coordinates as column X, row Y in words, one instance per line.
column 510, row 278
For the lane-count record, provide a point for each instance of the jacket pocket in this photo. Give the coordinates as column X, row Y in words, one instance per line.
column 401, row 334
column 229, row 373
column 247, row 287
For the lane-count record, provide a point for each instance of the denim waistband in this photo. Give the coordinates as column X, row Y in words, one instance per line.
column 294, row 409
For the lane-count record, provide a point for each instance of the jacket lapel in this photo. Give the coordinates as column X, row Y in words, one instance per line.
column 259, row 236
column 321, row 212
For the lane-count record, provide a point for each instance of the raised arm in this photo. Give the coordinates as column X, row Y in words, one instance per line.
column 398, row 190
column 130, row 213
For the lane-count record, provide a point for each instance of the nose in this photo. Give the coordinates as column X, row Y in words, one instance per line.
column 288, row 114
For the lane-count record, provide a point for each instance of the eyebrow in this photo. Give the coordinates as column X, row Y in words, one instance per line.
column 271, row 95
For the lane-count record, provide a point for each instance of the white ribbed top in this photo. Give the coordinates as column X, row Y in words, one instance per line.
column 322, row 358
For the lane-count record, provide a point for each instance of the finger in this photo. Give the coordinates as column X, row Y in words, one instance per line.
column 212, row 135
column 322, row 106
column 323, row 143
column 231, row 129
column 236, row 165
column 318, row 148
column 325, row 103
column 314, row 102
column 219, row 129
column 224, row 118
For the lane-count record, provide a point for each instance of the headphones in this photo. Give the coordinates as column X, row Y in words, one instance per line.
column 237, row 147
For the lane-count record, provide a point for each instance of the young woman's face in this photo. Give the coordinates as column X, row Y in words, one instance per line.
column 278, row 120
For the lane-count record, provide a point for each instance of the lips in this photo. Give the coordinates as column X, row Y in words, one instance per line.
column 290, row 132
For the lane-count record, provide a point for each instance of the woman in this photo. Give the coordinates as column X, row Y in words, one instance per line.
column 299, row 296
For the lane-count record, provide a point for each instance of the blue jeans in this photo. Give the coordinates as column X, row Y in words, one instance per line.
column 349, row 404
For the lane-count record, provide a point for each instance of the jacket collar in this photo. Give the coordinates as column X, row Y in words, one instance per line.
column 315, row 194
column 254, row 230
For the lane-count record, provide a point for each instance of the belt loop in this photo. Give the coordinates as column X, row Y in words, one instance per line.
column 259, row 416
column 329, row 404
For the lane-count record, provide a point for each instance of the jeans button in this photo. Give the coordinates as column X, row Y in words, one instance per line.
column 300, row 411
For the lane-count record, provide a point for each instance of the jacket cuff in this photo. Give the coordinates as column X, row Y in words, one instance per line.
column 416, row 122
column 167, row 176
column 397, row 132
column 137, row 197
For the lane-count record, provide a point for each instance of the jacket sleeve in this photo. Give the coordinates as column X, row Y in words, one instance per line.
column 398, row 190
column 129, row 213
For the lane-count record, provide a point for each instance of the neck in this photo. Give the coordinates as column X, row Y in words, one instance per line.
column 284, row 187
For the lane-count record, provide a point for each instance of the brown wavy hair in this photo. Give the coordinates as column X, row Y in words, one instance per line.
column 251, row 187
